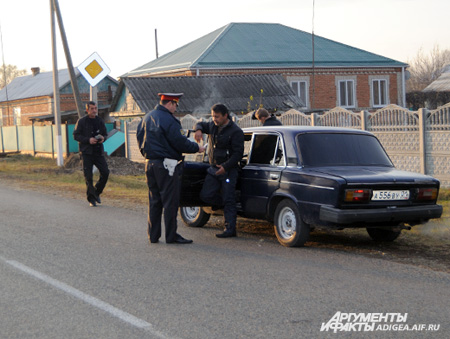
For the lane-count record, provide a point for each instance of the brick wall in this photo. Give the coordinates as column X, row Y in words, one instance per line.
column 324, row 95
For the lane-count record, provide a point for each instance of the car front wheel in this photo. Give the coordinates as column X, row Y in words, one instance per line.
column 383, row 234
column 290, row 229
column 194, row 216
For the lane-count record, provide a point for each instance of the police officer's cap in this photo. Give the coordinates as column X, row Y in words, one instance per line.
column 170, row 96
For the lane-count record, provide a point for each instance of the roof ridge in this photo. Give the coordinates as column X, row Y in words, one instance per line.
column 214, row 42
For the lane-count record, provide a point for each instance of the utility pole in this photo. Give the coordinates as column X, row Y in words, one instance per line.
column 156, row 42
column 73, row 79
column 56, row 97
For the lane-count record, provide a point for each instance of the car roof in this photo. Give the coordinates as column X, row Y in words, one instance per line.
column 292, row 130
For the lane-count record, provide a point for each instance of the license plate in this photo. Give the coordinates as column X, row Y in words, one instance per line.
column 390, row 195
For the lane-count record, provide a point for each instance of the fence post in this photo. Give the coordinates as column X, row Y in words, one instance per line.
column 3, row 144
column 34, row 139
column 67, row 139
column 53, row 140
column 125, row 130
column 314, row 119
column 422, row 140
column 364, row 120
column 17, row 138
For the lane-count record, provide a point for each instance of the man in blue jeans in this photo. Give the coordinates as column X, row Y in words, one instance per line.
column 225, row 151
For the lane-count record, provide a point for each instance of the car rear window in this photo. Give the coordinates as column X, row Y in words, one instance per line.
column 337, row 149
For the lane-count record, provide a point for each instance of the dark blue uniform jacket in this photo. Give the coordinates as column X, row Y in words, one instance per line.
column 159, row 135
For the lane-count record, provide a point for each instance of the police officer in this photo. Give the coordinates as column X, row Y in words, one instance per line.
column 90, row 132
column 162, row 143
column 226, row 140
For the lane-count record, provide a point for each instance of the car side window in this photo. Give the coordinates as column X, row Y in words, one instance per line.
column 264, row 147
column 279, row 156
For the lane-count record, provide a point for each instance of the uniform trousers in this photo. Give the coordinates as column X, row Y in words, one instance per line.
column 220, row 190
column 163, row 194
column 89, row 160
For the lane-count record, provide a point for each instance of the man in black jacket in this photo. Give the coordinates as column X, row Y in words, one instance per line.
column 225, row 151
column 266, row 118
column 90, row 132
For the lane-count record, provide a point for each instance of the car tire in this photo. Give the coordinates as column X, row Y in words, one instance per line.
column 289, row 227
column 383, row 234
column 194, row 216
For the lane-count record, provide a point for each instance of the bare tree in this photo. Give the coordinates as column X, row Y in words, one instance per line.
column 8, row 73
column 425, row 69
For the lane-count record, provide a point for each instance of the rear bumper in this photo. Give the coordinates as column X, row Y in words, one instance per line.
column 399, row 214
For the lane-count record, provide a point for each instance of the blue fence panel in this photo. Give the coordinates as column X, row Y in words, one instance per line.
column 10, row 138
column 25, row 138
column 73, row 145
column 39, row 138
column 63, row 138
column 109, row 127
column 43, row 139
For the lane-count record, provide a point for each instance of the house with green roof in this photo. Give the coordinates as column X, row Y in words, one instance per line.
column 323, row 73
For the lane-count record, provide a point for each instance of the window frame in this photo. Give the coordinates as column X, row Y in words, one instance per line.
column 279, row 145
column 348, row 84
column 372, row 82
column 298, row 91
column 17, row 114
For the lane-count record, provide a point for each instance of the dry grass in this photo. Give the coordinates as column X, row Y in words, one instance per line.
column 36, row 173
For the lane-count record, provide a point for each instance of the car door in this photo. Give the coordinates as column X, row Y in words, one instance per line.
column 261, row 175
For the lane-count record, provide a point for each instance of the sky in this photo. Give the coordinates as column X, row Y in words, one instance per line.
column 122, row 33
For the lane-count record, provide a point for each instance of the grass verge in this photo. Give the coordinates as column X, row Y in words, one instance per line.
column 43, row 174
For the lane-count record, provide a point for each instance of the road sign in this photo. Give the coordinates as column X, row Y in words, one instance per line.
column 94, row 69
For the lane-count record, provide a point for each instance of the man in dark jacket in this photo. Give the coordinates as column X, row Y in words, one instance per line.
column 162, row 143
column 225, row 151
column 266, row 118
column 90, row 132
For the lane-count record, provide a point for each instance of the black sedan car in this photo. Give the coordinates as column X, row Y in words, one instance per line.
column 300, row 178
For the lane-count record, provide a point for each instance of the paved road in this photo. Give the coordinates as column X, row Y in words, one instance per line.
column 70, row 271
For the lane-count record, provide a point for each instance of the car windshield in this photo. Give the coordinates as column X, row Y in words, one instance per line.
column 338, row 149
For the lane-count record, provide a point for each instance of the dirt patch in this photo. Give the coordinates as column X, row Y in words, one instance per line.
column 426, row 246
column 117, row 165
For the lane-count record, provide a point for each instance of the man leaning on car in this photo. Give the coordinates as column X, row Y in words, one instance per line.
column 225, row 151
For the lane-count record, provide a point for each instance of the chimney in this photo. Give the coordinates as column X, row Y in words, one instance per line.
column 35, row 71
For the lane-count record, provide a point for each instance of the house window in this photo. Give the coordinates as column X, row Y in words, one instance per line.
column 1, row 116
column 17, row 116
column 346, row 93
column 379, row 92
column 301, row 89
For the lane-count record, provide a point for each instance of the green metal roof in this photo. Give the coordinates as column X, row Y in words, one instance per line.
column 262, row 45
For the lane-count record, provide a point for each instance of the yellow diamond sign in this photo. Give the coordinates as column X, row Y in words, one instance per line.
column 94, row 69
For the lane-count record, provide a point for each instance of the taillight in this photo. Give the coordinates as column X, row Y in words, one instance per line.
column 426, row 193
column 357, row 195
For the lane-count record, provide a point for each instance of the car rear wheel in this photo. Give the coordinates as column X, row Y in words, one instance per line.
column 194, row 216
column 383, row 234
column 289, row 227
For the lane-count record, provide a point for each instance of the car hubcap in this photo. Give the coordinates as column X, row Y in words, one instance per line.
column 191, row 213
column 287, row 223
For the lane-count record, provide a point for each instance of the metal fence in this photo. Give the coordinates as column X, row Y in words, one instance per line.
column 417, row 141
column 38, row 139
